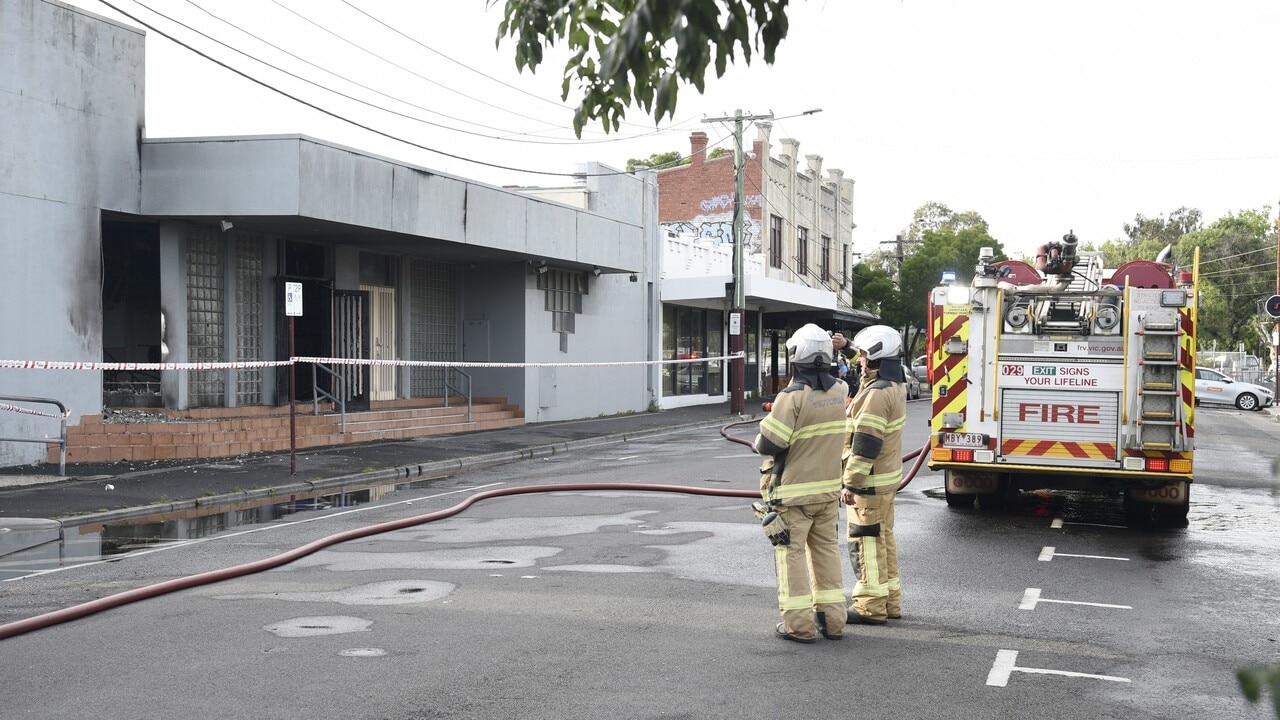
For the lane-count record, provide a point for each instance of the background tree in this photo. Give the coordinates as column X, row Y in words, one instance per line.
column 673, row 158
column 1146, row 237
column 1237, row 271
column 639, row 51
column 658, row 161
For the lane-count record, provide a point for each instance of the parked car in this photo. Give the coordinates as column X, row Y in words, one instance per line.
column 920, row 369
column 1214, row 387
column 913, row 387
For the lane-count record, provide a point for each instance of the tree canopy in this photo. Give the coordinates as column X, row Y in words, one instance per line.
column 640, row 51
column 671, row 158
column 1237, row 268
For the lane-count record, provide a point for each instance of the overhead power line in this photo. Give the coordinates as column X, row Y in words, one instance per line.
column 342, row 118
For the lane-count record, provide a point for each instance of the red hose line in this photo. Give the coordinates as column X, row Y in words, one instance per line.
column 76, row 612
column 82, row 610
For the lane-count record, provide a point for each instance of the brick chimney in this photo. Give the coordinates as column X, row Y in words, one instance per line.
column 698, row 148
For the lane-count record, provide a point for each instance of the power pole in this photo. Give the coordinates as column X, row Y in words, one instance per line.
column 737, row 313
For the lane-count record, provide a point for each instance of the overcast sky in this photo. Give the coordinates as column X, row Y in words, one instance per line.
column 1043, row 117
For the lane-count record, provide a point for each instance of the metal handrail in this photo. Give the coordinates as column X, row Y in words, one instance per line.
column 450, row 386
column 62, row 439
column 317, row 392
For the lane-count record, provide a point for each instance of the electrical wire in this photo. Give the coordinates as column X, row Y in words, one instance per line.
column 337, row 75
column 430, row 49
column 349, row 121
column 512, row 135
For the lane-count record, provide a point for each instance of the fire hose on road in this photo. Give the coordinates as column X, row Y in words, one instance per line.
column 85, row 609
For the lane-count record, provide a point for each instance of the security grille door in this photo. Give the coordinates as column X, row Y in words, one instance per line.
column 382, row 324
column 351, row 340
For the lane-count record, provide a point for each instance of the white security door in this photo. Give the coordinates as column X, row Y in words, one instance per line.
column 382, row 325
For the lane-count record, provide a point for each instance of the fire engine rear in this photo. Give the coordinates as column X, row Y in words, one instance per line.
column 1065, row 375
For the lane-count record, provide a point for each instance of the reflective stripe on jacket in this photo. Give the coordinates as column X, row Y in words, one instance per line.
column 879, row 411
column 808, row 426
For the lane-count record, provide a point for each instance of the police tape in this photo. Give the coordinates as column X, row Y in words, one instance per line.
column 29, row 411
column 467, row 364
column 252, row 364
column 56, row 365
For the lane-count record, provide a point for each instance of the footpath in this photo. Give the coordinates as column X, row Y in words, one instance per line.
column 112, row 492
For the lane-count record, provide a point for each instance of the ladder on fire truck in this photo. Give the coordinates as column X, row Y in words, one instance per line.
column 1159, row 408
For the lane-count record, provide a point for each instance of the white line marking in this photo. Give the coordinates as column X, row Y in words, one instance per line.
column 1056, row 524
column 1004, row 666
column 1050, row 552
column 735, row 457
column 224, row 536
column 1032, row 596
column 1101, row 525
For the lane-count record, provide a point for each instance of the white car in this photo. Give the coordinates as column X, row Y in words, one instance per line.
column 1214, row 387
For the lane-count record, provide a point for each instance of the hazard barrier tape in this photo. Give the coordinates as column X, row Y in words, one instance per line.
column 53, row 365
column 56, row 365
column 442, row 363
column 29, row 411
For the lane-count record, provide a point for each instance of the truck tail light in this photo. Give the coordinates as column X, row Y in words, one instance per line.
column 962, row 455
column 1180, row 466
column 1158, row 464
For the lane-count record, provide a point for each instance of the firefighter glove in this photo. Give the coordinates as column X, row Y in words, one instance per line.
column 775, row 528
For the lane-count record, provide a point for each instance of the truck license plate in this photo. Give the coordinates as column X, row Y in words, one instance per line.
column 975, row 440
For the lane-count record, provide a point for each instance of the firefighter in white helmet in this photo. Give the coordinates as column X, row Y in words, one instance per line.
column 872, row 472
column 800, row 482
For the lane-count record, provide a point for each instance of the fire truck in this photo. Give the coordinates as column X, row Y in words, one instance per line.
column 1065, row 375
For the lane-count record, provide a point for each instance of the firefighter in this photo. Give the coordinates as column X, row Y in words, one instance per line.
column 800, row 486
column 872, row 472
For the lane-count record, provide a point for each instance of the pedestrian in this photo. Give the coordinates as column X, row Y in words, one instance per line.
column 800, row 482
column 872, row 473
column 842, row 348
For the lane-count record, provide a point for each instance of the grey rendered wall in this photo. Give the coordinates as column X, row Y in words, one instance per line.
column 71, row 109
column 493, row 327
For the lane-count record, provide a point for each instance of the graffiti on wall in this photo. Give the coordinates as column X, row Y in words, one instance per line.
column 718, row 226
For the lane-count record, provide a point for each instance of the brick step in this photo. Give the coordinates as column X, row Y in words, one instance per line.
column 269, row 432
column 92, row 433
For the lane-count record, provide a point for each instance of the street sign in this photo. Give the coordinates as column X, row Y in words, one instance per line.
column 1273, row 306
column 293, row 299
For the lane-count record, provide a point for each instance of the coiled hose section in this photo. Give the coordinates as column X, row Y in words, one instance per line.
column 75, row 612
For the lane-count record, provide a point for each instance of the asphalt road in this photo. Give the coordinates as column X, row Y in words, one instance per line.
column 658, row 605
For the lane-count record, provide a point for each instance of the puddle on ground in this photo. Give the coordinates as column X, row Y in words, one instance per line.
column 30, row 545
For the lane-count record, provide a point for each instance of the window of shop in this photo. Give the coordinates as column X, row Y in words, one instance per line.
column 691, row 334
column 825, row 260
column 802, row 251
column 775, row 241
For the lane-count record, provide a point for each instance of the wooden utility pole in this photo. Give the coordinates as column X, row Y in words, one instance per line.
column 737, row 313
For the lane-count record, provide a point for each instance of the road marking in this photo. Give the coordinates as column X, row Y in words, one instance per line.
column 1032, row 596
column 1004, row 666
column 1058, row 523
column 1050, row 552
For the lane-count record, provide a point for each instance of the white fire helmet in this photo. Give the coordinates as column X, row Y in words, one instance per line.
column 878, row 342
column 810, row 345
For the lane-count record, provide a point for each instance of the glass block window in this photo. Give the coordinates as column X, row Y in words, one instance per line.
column 248, row 318
column 434, row 319
column 564, row 290
column 205, row 388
